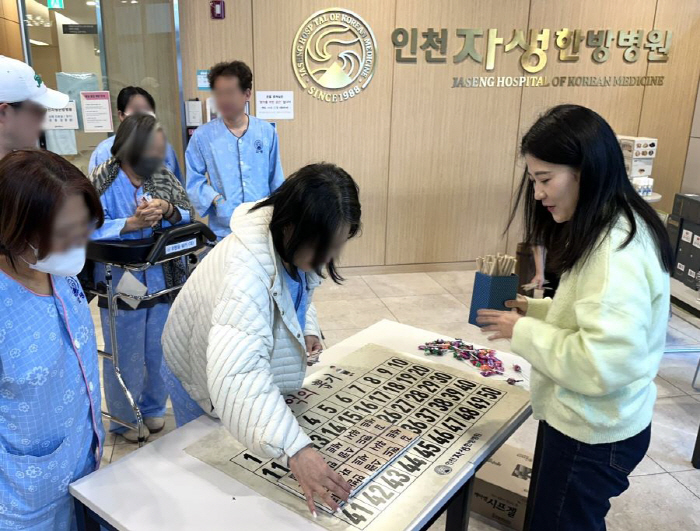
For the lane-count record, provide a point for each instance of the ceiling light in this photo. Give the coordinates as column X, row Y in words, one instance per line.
column 90, row 3
column 38, row 43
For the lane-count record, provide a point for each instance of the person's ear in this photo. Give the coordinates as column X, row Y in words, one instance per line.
column 247, row 94
column 4, row 107
column 121, row 116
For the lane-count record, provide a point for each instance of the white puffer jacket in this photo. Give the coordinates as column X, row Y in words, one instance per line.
column 234, row 341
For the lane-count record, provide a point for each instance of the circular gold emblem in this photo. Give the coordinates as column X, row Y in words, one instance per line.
column 334, row 55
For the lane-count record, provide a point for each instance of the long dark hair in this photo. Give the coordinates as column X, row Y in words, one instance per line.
column 314, row 203
column 578, row 137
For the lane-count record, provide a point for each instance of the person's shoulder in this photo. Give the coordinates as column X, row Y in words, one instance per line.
column 621, row 229
column 206, row 128
column 107, row 143
column 266, row 127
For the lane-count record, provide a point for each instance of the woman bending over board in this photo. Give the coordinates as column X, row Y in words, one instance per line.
column 241, row 332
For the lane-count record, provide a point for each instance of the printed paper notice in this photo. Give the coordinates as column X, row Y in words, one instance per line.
column 193, row 113
column 66, row 118
column 96, row 111
column 274, row 105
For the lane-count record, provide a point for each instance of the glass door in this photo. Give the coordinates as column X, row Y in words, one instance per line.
column 93, row 49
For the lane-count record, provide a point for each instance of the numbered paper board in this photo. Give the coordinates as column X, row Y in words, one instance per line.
column 455, row 414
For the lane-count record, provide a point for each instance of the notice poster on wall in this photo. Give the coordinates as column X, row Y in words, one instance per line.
column 66, row 118
column 274, row 105
column 96, row 111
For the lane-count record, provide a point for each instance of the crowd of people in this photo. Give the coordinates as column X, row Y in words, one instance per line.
column 243, row 329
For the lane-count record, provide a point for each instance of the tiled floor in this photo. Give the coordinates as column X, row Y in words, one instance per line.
column 664, row 490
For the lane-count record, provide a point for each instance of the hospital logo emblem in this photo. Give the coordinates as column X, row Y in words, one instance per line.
column 334, row 55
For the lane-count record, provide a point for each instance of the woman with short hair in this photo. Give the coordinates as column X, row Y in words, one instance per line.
column 50, row 427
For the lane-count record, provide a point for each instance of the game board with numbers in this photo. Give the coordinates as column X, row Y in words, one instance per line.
column 445, row 418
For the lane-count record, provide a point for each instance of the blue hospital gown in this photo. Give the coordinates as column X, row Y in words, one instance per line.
column 103, row 152
column 51, row 430
column 240, row 169
column 138, row 331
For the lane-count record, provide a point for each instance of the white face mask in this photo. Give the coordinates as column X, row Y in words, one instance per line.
column 66, row 264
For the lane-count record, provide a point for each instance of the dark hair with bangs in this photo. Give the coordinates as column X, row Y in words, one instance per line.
column 578, row 137
column 315, row 203
column 133, row 137
column 125, row 95
column 33, row 186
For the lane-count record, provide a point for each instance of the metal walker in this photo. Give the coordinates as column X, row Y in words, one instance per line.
column 164, row 246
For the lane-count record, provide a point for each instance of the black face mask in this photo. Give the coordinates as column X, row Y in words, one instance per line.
column 147, row 166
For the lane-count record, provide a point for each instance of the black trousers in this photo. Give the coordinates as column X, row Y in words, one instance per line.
column 575, row 480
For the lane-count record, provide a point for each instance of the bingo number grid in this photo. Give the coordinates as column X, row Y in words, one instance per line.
column 439, row 418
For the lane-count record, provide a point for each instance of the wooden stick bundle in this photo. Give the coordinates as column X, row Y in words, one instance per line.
column 500, row 265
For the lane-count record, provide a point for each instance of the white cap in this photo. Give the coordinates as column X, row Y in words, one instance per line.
column 19, row 82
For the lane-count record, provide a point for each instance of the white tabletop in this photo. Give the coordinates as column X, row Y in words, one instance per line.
column 160, row 486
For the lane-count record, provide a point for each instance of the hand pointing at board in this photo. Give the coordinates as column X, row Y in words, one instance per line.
column 316, row 477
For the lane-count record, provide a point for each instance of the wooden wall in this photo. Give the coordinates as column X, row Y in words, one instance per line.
column 10, row 37
column 437, row 165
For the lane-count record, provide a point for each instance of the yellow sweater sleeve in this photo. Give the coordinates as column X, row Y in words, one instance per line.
column 607, row 349
column 538, row 308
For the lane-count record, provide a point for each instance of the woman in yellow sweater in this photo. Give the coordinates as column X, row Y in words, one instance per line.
column 595, row 348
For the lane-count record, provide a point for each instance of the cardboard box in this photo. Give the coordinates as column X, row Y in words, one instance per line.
column 640, row 167
column 501, row 487
column 638, row 146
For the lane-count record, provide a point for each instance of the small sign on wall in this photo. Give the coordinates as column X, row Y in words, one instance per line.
column 79, row 29
column 97, row 111
column 203, row 80
column 66, row 118
column 274, row 105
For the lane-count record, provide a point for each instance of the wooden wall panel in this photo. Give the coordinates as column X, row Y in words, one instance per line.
column 620, row 106
column 667, row 111
column 353, row 134
column 9, row 10
column 10, row 39
column 437, row 166
column 204, row 42
column 451, row 159
column 10, row 35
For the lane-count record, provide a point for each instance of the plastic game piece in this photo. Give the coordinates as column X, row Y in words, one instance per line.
column 482, row 358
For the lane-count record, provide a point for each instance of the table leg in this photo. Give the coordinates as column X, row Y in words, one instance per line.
column 696, row 452
column 87, row 520
column 85, row 523
column 458, row 508
column 533, row 478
